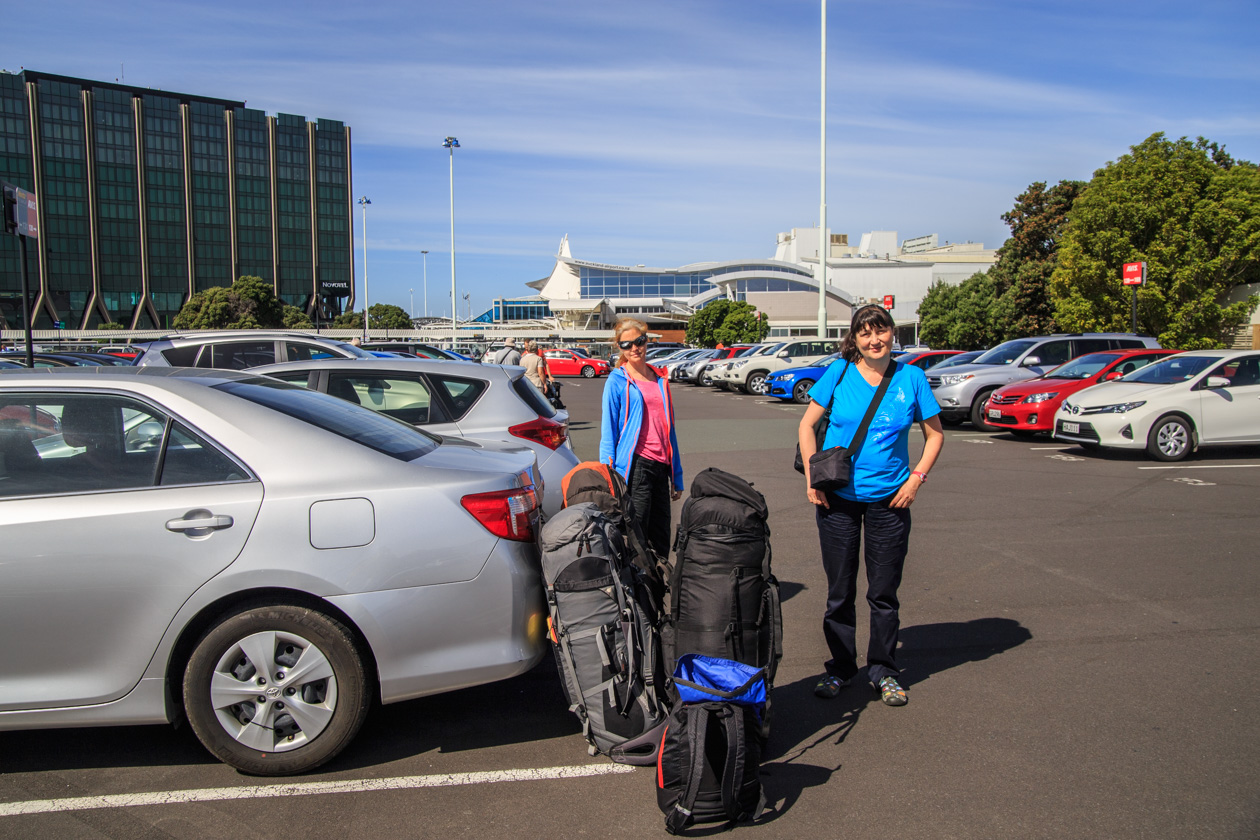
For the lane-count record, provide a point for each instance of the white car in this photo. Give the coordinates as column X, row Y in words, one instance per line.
column 1170, row 408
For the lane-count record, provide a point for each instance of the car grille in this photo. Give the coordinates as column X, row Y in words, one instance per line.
column 1004, row 420
column 1001, row 399
column 934, row 382
column 1087, row 431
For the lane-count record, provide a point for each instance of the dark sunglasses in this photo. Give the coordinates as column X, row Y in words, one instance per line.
column 638, row 342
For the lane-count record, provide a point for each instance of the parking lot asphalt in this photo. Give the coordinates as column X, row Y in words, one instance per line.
column 1079, row 639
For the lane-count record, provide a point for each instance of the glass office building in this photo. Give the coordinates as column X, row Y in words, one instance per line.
column 146, row 197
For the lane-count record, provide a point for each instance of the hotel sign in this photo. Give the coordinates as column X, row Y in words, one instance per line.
column 334, row 288
column 21, row 212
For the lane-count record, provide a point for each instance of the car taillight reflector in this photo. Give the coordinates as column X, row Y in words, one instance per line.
column 542, row 430
column 505, row 513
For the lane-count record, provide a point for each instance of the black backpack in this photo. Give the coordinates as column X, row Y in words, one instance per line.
column 603, row 628
column 725, row 600
column 708, row 767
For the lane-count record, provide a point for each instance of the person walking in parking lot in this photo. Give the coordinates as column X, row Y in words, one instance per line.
column 508, row 354
column 875, row 503
column 637, row 435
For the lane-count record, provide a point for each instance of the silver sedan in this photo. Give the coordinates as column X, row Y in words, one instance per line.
column 476, row 401
column 256, row 556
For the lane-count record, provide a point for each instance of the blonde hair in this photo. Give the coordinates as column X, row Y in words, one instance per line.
column 621, row 326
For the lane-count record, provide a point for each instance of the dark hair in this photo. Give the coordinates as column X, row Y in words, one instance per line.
column 871, row 316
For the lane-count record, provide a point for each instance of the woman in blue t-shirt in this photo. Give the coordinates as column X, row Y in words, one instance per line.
column 876, row 502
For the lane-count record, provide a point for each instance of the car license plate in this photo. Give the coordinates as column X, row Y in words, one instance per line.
column 1072, row 428
column 995, row 413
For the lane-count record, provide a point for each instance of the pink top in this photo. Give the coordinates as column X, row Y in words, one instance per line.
column 653, row 434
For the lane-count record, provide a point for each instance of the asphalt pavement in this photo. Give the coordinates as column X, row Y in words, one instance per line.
column 1079, row 639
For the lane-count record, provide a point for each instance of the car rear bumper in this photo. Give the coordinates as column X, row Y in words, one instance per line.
column 431, row 639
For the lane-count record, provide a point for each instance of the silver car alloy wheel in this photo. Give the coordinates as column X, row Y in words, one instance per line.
column 757, row 384
column 1172, row 439
column 273, row 691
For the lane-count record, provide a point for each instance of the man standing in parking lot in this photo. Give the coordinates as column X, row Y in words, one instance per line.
column 508, row 354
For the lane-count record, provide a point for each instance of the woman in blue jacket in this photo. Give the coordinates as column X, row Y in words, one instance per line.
column 637, row 434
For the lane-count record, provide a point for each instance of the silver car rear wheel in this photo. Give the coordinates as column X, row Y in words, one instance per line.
column 276, row 690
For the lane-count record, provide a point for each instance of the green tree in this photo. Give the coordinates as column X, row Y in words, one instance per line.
column 1026, row 261
column 349, row 320
column 972, row 326
column 702, row 327
column 936, row 314
column 296, row 319
column 386, row 316
column 1192, row 214
column 727, row 322
column 112, row 325
column 249, row 303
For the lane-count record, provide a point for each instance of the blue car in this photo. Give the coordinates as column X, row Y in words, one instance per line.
column 794, row 383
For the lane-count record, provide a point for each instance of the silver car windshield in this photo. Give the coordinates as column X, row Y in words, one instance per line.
column 376, row 431
column 1173, row 369
column 1005, row 353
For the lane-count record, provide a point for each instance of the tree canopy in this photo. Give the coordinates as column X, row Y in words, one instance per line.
column 249, row 303
column 387, row 316
column 727, row 322
column 1192, row 214
column 1012, row 299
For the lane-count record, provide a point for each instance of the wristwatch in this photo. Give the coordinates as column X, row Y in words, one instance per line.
column 922, row 476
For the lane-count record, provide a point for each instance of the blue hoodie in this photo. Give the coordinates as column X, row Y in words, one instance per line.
column 623, row 419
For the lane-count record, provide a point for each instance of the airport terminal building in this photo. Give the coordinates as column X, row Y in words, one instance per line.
column 581, row 297
column 147, row 196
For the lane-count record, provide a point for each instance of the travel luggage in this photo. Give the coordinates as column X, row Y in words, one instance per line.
column 725, row 600
column 603, row 486
column 553, row 395
column 603, row 629
column 708, row 766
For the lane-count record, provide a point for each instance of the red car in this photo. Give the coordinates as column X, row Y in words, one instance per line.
column 568, row 363
column 924, row 359
column 1028, row 407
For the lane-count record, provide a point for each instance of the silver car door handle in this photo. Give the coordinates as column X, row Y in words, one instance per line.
column 209, row 523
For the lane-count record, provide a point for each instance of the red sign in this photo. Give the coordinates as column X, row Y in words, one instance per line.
column 889, row 300
column 1134, row 274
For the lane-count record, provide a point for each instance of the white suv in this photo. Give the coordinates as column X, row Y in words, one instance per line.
column 749, row 373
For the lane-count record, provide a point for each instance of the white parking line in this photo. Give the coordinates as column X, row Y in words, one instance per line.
column 1205, row 467
column 180, row 797
column 971, row 434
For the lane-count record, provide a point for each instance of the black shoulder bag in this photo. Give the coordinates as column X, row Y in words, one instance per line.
column 830, row 469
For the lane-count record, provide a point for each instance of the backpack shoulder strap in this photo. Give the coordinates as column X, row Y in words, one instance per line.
column 733, row 770
column 697, row 725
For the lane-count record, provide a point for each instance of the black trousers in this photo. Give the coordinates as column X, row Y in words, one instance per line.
column 840, row 532
column 649, row 492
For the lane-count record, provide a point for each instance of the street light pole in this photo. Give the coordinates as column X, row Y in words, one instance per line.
column 411, row 312
column 425, row 256
column 364, row 201
column 452, row 144
column 824, row 241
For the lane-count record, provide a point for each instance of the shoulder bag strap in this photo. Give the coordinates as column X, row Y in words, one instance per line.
column 859, row 437
column 820, row 430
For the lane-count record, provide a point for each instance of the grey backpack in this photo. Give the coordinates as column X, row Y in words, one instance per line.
column 605, row 634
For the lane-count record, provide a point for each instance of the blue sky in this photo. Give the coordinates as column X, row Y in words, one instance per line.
column 665, row 133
